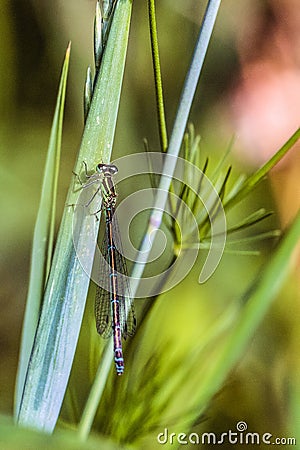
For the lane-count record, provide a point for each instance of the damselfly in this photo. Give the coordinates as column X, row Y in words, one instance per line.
column 114, row 310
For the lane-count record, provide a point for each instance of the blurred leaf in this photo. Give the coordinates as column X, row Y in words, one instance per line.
column 256, row 302
column 42, row 247
column 16, row 438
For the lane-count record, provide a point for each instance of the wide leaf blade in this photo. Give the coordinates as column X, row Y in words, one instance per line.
column 42, row 248
column 68, row 283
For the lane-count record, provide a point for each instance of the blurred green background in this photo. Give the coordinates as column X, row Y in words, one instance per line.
column 254, row 42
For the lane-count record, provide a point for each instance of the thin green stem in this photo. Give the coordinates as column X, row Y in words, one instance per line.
column 92, row 404
column 184, row 108
column 259, row 175
column 157, row 78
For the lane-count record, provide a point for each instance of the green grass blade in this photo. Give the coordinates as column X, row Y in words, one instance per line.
column 250, row 220
column 42, row 248
column 256, row 178
column 67, row 287
column 256, row 302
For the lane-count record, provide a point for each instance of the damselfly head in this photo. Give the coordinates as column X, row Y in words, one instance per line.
column 107, row 169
